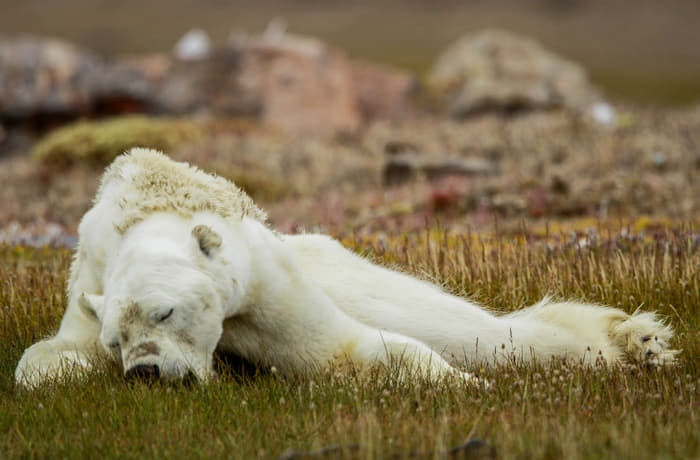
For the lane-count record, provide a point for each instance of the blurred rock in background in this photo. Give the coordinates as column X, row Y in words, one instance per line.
column 46, row 77
column 295, row 83
column 498, row 71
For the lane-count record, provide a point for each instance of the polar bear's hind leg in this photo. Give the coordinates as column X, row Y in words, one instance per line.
column 609, row 332
column 411, row 356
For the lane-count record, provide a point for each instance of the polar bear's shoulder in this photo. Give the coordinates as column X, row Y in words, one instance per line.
column 148, row 182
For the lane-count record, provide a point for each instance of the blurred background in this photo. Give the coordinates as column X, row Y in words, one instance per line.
column 359, row 117
column 645, row 51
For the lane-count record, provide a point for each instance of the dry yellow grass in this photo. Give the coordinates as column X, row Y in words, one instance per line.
column 547, row 410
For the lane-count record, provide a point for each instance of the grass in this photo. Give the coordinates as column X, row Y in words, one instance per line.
column 546, row 410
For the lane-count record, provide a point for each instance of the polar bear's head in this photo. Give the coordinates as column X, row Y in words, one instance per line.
column 164, row 304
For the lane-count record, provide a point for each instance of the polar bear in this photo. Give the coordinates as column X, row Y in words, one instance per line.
column 173, row 264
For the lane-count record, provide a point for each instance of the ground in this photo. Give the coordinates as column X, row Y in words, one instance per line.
column 550, row 410
column 547, row 166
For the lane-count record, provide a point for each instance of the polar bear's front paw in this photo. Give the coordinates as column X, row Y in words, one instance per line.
column 40, row 365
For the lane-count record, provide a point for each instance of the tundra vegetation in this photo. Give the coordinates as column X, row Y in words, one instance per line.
column 547, row 410
column 501, row 191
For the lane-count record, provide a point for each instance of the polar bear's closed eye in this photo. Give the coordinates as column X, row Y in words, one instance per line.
column 166, row 315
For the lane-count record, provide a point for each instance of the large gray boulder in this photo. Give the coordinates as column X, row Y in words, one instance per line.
column 497, row 71
column 50, row 78
column 45, row 76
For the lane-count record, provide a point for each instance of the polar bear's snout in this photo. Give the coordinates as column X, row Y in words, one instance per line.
column 144, row 349
column 160, row 357
column 143, row 372
column 141, row 355
column 150, row 373
column 151, row 338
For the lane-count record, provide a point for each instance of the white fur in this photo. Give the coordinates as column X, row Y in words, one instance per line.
column 279, row 300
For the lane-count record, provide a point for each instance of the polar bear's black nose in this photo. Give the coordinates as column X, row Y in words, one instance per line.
column 143, row 372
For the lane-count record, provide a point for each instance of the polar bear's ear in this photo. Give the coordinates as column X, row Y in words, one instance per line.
column 92, row 305
column 207, row 239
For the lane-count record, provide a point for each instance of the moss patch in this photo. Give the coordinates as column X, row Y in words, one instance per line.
column 99, row 142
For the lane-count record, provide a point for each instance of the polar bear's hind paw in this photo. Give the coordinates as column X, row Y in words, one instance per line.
column 645, row 338
column 656, row 351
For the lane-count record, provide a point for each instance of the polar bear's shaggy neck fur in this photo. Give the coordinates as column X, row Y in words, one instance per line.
column 158, row 184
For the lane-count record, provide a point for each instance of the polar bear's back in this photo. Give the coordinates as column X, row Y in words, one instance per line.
column 143, row 181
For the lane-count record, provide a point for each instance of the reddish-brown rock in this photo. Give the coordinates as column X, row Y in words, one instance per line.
column 304, row 86
column 297, row 84
column 383, row 92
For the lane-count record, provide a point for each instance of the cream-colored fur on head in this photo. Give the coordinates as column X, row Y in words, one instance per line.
column 174, row 263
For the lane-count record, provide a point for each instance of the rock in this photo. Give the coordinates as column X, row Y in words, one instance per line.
column 395, row 147
column 463, row 166
column 474, row 449
column 336, row 451
column 131, row 85
column 497, row 71
column 509, row 204
column 538, row 202
column 307, row 87
column 448, row 192
column 402, row 167
column 211, row 86
column 295, row 83
column 304, row 86
column 559, row 185
column 15, row 141
column 45, row 77
column 383, row 92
